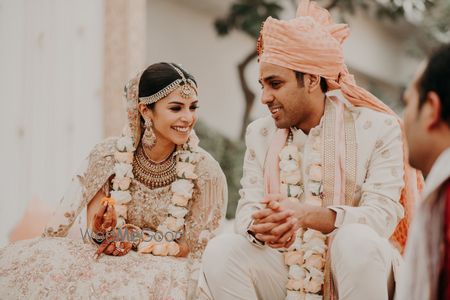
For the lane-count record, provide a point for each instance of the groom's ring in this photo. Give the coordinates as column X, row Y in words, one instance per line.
column 118, row 247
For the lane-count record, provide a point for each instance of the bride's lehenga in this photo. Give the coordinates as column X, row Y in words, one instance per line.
column 61, row 265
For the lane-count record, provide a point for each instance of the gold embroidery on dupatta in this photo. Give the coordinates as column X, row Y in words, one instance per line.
column 328, row 153
column 350, row 158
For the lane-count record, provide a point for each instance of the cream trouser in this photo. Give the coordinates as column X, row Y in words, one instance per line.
column 361, row 264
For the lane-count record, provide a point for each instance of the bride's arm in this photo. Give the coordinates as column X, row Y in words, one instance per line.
column 93, row 207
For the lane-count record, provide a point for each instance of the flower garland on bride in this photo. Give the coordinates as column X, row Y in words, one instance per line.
column 186, row 157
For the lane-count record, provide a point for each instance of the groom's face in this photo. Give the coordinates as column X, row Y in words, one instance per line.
column 284, row 95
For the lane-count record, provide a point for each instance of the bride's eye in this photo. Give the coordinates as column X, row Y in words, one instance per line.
column 175, row 108
column 194, row 107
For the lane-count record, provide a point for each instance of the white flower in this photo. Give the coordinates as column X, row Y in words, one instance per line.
column 311, row 234
column 187, row 156
column 122, row 183
column 295, row 295
column 125, row 143
column 123, row 170
column 178, row 212
column 314, row 261
column 291, row 177
column 314, row 246
column 294, row 191
column 295, row 285
column 120, row 222
column 313, row 286
column 293, row 258
column 315, row 157
column 121, row 210
column 288, row 165
column 296, row 272
column 315, row 187
column 290, row 152
column 316, row 275
column 186, row 170
column 297, row 245
column 193, row 140
column 309, row 296
column 315, row 172
column 163, row 229
column 183, row 188
column 123, row 157
column 121, row 197
column 174, row 224
column 179, row 200
column 316, row 144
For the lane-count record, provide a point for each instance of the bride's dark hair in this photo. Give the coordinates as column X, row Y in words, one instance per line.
column 158, row 76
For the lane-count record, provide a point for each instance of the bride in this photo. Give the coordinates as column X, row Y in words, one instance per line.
column 145, row 204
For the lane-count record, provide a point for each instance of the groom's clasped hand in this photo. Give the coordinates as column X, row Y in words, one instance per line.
column 277, row 222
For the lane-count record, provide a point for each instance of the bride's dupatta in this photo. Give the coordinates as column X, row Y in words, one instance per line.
column 94, row 174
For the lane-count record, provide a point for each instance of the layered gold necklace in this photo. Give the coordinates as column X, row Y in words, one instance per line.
column 154, row 174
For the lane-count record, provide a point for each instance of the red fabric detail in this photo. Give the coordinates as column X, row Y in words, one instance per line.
column 445, row 272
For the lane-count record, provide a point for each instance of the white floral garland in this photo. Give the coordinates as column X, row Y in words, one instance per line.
column 306, row 257
column 182, row 189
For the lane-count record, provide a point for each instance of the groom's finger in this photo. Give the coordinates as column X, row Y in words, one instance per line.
column 282, row 228
column 262, row 228
column 265, row 237
column 289, row 235
column 276, row 217
column 262, row 213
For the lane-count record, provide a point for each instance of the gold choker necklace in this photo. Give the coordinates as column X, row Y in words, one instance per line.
column 154, row 175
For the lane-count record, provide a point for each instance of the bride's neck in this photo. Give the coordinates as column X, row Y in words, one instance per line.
column 160, row 151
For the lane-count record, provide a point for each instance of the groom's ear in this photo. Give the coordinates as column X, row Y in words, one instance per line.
column 311, row 82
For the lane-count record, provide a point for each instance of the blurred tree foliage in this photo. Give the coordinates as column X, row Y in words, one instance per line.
column 428, row 19
column 247, row 16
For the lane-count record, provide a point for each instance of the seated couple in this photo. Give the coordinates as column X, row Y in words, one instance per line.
column 325, row 191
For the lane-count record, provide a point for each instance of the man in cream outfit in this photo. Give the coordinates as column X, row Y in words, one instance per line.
column 315, row 103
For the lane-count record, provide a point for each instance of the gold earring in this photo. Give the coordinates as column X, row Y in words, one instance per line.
column 149, row 138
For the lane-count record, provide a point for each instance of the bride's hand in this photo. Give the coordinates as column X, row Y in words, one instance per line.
column 112, row 246
column 184, row 248
column 105, row 219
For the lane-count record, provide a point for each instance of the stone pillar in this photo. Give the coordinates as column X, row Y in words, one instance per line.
column 125, row 40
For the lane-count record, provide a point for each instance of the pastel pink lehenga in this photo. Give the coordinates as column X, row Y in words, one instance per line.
column 61, row 265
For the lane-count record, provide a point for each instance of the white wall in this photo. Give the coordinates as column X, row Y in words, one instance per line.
column 378, row 51
column 51, row 79
column 180, row 33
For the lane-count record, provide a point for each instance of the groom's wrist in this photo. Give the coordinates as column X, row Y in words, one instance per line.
column 251, row 236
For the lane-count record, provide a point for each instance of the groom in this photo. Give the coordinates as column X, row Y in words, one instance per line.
column 326, row 166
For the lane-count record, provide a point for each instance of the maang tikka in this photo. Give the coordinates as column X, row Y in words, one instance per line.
column 149, row 138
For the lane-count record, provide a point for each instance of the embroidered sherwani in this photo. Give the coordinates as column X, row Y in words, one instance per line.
column 60, row 267
column 374, row 180
column 427, row 250
column 374, row 169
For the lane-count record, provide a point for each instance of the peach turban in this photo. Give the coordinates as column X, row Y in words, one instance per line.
column 312, row 43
